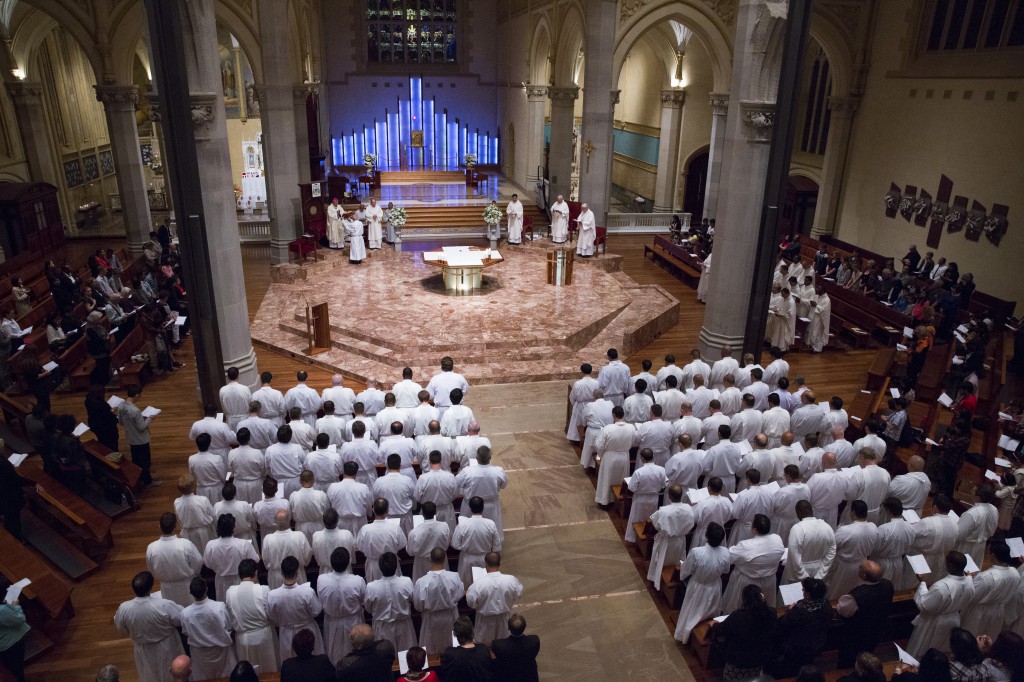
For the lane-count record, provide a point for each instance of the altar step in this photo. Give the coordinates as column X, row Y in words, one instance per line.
column 420, row 177
column 433, row 217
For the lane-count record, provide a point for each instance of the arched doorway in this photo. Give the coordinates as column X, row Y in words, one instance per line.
column 798, row 206
column 696, row 185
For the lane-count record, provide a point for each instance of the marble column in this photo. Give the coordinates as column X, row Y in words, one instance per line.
column 834, row 168
column 119, row 104
column 215, row 177
column 599, row 100
column 277, row 114
column 747, row 144
column 719, row 110
column 668, row 149
column 536, row 98
column 27, row 98
column 560, row 151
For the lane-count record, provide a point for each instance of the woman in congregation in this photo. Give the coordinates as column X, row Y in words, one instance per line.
column 748, row 636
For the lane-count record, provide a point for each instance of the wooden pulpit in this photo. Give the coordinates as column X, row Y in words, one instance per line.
column 559, row 262
column 318, row 327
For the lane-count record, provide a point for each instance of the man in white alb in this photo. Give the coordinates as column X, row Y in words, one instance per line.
column 755, row 562
column 485, row 481
column 270, row 399
column 514, row 211
column 613, row 446
column 262, row 432
column 303, row 397
column 613, row 379
column 595, row 416
column 294, row 606
column 423, row 414
column 207, row 625
column 341, row 594
column 646, row 483
column 726, row 365
column 221, row 435
column 255, row 636
column 377, row 538
column 655, row 434
column 939, row 606
column 389, row 602
column 559, row 221
column 638, row 404
column 174, row 561
column 493, row 597
column 441, row 385
column 685, row 467
column 354, row 232
column 406, row 391
column 436, row 596
column 372, row 399
column 374, row 220
column 308, row 505
column 335, row 230
column 152, row 624
column 362, row 452
column 223, row 554
column 672, row 521
column 342, row 396
column 431, row 534
column 398, row 490
column 812, row 546
column 827, row 490
column 234, row 399
column 325, row 541
column 283, row 543
column 784, row 502
column 587, row 232
column 474, row 537
column 935, row 535
column 438, row 486
column 351, row 498
column 854, row 543
column 912, row 487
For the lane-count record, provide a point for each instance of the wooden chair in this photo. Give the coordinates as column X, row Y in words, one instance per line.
column 601, row 240
column 301, row 247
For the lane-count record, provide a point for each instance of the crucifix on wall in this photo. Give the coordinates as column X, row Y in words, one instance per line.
column 588, row 148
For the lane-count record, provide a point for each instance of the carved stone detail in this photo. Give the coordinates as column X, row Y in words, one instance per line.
column 629, row 8
column 304, row 90
column 673, row 99
column 24, row 92
column 725, row 9
column 719, row 102
column 843, row 106
column 563, row 96
column 536, row 93
column 615, row 94
column 203, row 107
column 758, row 120
column 118, row 97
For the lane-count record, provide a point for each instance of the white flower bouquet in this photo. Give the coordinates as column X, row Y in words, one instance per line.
column 369, row 160
column 492, row 214
column 396, row 216
column 470, row 160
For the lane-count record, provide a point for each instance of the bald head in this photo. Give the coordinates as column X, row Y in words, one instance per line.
column 787, row 438
column 282, row 519
column 869, row 571
column 181, row 668
column 361, row 637
column 473, row 428
column 828, row 460
column 837, row 432
column 915, row 464
column 337, row 380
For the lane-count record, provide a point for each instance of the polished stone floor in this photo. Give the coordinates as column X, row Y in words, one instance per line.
column 582, row 593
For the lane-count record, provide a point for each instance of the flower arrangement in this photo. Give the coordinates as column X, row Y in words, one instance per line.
column 470, row 160
column 396, row 215
column 370, row 160
column 492, row 214
column 238, row 192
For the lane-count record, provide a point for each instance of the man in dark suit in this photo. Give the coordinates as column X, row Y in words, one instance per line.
column 305, row 666
column 515, row 657
column 864, row 612
column 370, row 661
column 924, row 267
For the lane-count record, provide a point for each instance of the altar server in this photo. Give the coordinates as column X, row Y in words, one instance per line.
column 354, row 232
column 174, row 561
column 325, row 541
column 374, row 220
column 255, row 636
column 341, row 594
column 234, row 399
column 152, row 624
column 493, row 596
column 377, row 538
column 704, row 566
column 281, row 544
column 559, row 220
column 335, row 230
column 514, row 211
column 389, row 603
column 224, row 553
column 673, row 522
column 294, row 606
column 207, row 625
column 431, row 534
column 436, row 596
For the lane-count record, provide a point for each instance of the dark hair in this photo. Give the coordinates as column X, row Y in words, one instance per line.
column 225, row 525
column 244, row 672
column 934, row 667
column 715, row 534
column 303, row 642
column 1008, row 649
column 964, row 646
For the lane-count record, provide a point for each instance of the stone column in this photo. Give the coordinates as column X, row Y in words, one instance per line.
column 35, row 136
column 299, row 94
column 560, row 151
column 119, row 104
column 536, row 97
column 599, row 102
column 277, row 113
column 719, row 109
column 668, row 149
column 834, row 168
column 747, row 143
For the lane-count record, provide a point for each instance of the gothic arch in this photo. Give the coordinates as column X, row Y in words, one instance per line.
column 246, row 33
column 540, row 53
column 126, row 35
column 696, row 152
column 834, row 42
column 568, row 47
column 36, row 24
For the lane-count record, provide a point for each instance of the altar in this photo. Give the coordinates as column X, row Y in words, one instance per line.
column 462, row 266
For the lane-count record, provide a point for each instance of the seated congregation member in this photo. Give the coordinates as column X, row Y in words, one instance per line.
column 306, row 666
column 371, row 659
column 416, row 659
column 867, row 668
column 747, row 635
column 470, row 661
column 801, row 631
column 861, row 610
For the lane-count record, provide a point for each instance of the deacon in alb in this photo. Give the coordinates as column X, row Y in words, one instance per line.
column 559, row 221
column 374, row 218
column 335, row 230
column 514, row 211
column 354, row 231
column 588, row 232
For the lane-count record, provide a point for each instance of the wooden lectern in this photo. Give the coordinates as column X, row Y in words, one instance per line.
column 560, row 263
column 318, row 327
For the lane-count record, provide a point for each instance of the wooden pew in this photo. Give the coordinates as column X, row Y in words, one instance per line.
column 676, row 257
column 121, row 358
column 48, row 592
column 125, row 472
column 855, row 322
column 15, row 409
column 83, row 521
column 880, row 368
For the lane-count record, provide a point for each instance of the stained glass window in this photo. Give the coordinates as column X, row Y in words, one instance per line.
column 411, row 31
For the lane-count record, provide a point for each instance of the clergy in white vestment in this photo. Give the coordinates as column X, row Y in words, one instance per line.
column 812, row 547
column 221, row 435
column 335, row 230
column 351, row 498
column 995, row 594
column 758, row 389
column 493, row 596
column 248, row 466
column 779, row 330
column 637, row 406
column 208, row 469
column 255, row 636
column 262, row 432
column 234, row 399
column 423, row 414
column 559, row 221
column 343, row 397
column 270, row 399
column 406, row 391
column 324, row 463
column 784, row 502
column 612, row 447
column 325, row 541
column 267, row 508
column 871, row 439
column 755, row 562
column 760, row 458
column 709, row 425
column 700, row 397
column 776, row 369
column 241, row 511
column 361, row 451
column 935, row 536
column 466, row 447
column 195, row 513
column 389, row 602
column 303, row 434
column 895, row 538
column 580, row 396
column 514, row 211
column 207, row 625
column 391, row 414
column 613, row 379
column 485, row 481
column 474, row 537
column 854, row 543
column 705, row 279
column 939, row 607
column 374, row 224
column 443, row 444
column 656, row 435
column 912, row 487
column 755, row 500
column 670, row 399
column 726, row 365
column 685, row 467
column 281, row 544
column 869, row 483
column 341, row 595
column 715, row 508
column 846, row 456
column 390, row 235
column 438, row 486
column 372, row 399
column 224, row 553
column 596, row 415
column 828, row 490
column 977, row 524
column 294, row 606
column 303, row 397
column 836, row 416
column 808, row 418
column 669, row 369
column 804, row 293
column 378, row 538
column 645, row 374
column 646, row 484
column 673, row 522
column 704, row 566
column 587, row 232
column 686, row 424
column 730, row 398
column 354, row 233
column 441, row 385
column 152, row 624
column 723, row 459
column 308, row 506
column 286, row 461
column 820, row 313
column 436, row 596
column 431, row 534
column 775, row 421
column 457, row 418
column 398, row 490
column 810, row 461
column 174, row 561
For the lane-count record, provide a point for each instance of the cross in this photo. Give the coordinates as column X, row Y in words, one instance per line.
column 588, row 147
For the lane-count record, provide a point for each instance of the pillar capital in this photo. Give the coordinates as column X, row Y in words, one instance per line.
column 204, row 114
column 304, row 90
column 118, row 97
column 563, row 96
column 719, row 102
column 25, row 92
column 673, row 99
column 615, row 96
column 758, row 120
column 843, row 106
column 536, row 93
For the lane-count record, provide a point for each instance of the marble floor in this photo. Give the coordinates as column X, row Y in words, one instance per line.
column 582, row 593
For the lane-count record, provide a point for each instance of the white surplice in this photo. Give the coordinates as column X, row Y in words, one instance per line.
column 356, row 243
column 871, row 484
column 657, row 435
column 174, row 562
column 326, row 468
column 721, row 368
column 335, row 230
column 613, row 380
column 271, row 403
column 722, row 460
column 308, row 506
column 398, row 490
column 285, row 462
column 704, row 566
column 343, row 398
column 255, row 636
column 436, row 596
column 774, row 423
column 364, row 452
column 637, row 408
column 152, row 624
column 244, row 515
column 685, row 468
column 821, row 318
column 939, row 609
column 262, row 432
column 292, row 608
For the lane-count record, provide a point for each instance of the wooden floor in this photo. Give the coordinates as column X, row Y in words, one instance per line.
column 90, row 640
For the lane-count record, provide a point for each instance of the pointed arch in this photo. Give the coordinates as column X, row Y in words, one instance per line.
column 540, row 53
column 567, row 49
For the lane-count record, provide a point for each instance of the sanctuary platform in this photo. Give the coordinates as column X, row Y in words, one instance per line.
column 392, row 311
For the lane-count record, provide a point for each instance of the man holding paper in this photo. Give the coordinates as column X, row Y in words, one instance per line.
column 559, row 220
column 587, row 232
column 939, row 607
column 672, row 521
column 977, row 525
column 493, row 596
column 755, row 562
